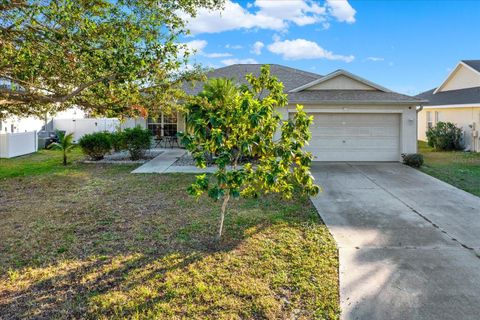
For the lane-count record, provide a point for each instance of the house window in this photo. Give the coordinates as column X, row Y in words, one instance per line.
column 170, row 124
column 429, row 120
column 165, row 125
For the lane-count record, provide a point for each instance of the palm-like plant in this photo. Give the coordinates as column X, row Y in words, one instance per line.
column 65, row 144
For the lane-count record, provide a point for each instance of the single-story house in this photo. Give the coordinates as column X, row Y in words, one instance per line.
column 354, row 119
column 456, row 100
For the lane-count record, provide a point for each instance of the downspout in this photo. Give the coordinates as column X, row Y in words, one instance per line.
column 419, row 108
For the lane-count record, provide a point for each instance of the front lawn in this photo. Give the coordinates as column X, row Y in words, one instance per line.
column 41, row 162
column 93, row 241
column 460, row 169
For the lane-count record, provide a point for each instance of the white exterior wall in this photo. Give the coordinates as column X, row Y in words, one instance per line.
column 341, row 82
column 463, row 117
column 18, row 144
column 24, row 124
column 16, row 124
column 462, row 78
column 408, row 119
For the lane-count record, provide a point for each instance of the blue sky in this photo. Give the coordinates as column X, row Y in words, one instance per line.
column 407, row 46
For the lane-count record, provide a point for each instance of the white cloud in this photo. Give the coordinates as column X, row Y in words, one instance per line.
column 234, row 46
column 299, row 12
column 268, row 14
column 304, row 49
column 341, row 10
column 257, row 48
column 232, row 17
column 374, row 59
column 196, row 47
column 228, row 62
column 217, row 55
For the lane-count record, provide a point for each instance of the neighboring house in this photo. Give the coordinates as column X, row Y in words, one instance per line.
column 456, row 100
column 16, row 124
column 354, row 119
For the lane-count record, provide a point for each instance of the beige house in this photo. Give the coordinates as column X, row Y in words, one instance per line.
column 456, row 100
column 354, row 119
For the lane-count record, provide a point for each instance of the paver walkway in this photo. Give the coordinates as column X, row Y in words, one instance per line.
column 408, row 243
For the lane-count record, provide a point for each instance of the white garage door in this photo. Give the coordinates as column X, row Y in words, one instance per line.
column 355, row 137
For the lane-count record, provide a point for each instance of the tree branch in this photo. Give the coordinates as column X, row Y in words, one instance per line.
column 13, row 4
column 16, row 97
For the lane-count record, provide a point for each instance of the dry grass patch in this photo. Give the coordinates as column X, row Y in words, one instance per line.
column 98, row 242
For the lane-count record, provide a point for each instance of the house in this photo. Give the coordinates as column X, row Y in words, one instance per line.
column 354, row 119
column 456, row 100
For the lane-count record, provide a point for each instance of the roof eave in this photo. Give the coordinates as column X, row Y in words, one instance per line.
column 359, row 102
column 454, row 105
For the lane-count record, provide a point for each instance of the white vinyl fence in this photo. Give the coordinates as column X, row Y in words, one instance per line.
column 80, row 127
column 17, row 144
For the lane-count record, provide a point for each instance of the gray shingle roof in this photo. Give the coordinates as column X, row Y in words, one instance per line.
column 290, row 77
column 294, row 78
column 475, row 64
column 461, row 96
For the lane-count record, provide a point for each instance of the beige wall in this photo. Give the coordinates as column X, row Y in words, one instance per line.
column 463, row 77
column 463, row 117
column 408, row 118
column 341, row 82
column 181, row 122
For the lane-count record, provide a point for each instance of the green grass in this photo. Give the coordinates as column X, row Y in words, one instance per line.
column 460, row 169
column 41, row 162
column 94, row 241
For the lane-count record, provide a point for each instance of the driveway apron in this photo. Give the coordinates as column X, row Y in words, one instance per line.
column 409, row 244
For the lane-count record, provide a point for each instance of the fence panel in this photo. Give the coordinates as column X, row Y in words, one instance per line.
column 17, row 144
column 80, row 127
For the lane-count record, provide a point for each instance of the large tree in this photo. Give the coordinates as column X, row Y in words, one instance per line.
column 110, row 57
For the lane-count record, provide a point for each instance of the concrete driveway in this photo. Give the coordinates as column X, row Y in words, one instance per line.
column 409, row 244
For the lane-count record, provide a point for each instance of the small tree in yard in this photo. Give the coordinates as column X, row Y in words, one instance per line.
column 65, row 144
column 232, row 124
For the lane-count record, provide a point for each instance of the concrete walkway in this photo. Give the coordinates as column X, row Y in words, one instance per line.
column 408, row 242
column 164, row 163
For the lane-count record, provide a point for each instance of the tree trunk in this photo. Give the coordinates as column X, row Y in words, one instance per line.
column 64, row 159
column 222, row 216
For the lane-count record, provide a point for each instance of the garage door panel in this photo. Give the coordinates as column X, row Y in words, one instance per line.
column 355, row 137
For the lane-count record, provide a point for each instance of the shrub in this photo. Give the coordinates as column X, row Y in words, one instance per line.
column 413, row 160
column 137, row 141
column 96, row 145
column 118, row 141
column 445, row 136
